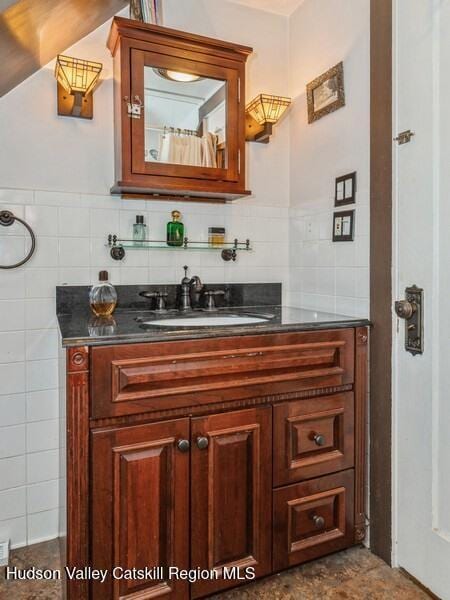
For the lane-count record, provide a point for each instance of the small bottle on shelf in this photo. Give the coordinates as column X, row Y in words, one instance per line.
column 175, row 230
column 139, row 231
column 103, row 296
column 216, row 236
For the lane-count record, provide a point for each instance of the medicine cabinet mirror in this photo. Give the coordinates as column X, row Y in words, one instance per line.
column 179, row 113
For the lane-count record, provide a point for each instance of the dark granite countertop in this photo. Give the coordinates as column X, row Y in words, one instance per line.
column 79, row 328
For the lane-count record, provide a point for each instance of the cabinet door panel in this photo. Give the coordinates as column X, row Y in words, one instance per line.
column 312, row 519
column 140, row 507
column 313, row 437
column 231, row 495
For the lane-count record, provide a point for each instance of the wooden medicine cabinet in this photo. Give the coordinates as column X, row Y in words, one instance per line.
column 179, row 103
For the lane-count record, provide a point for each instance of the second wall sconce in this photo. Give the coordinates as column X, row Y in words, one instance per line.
column 77, row 79
column 261, row 114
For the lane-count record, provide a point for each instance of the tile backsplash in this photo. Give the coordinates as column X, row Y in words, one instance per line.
column 71, row 231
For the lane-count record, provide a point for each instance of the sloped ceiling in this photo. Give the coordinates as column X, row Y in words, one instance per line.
column 33, row 32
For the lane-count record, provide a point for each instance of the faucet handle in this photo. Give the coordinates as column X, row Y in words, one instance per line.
column 210, row 295
column 161, row 298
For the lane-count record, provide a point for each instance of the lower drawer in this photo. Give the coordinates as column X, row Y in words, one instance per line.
column 312, row 518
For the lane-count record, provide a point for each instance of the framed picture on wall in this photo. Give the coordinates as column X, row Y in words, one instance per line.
column 325, row 94
column 345, row 190
column 343, row 226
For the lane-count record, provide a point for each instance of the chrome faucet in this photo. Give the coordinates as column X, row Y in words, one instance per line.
column 187, row 284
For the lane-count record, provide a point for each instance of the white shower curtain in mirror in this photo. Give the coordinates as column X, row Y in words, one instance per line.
column 188, row 150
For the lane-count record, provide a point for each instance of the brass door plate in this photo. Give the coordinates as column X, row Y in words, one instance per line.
column 411, row 309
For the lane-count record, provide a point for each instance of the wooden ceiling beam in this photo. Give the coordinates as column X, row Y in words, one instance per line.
column 33, row 32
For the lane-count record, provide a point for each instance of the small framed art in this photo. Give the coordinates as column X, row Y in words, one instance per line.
column 345, row 190
column 343, row 226
column 325, row 94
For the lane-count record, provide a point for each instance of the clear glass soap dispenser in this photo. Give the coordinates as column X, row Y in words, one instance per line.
column 139, row 231
column 103, row 296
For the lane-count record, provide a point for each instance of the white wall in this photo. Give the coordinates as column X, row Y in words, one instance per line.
column 56, row 172
column 326, row 275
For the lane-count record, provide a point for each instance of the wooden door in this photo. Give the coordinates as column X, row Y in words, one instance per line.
column 140, row 500
column 231, row 496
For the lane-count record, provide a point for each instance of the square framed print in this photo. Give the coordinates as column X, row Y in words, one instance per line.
column 344, row 226
column 345, row 190
column 325, row 94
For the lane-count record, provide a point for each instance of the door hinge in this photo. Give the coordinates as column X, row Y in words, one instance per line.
column 404, row 137
column 239, row 162
column 134, row 108
column 239, row 90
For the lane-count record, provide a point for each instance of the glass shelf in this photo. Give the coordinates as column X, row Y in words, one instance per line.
column 229, row 250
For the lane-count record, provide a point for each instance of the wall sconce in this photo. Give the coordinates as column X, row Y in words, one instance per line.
column 260, row 114
column 77, row 79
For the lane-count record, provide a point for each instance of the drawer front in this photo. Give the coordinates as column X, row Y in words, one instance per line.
column 135, row 378
column 312, row 518
column 313, row 437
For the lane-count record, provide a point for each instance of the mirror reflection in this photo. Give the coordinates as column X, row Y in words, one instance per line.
column 185, row 119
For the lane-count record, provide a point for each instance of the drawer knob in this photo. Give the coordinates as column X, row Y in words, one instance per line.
column 183, row 445
column 319, row 522
column 202, row 442
column 319, row 439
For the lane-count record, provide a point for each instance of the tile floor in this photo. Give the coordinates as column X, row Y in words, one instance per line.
column 352, row 574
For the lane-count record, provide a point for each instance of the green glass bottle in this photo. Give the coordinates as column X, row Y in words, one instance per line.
column 175, row 230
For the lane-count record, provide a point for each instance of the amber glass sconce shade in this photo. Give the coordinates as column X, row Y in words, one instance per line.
column 261, row 114
column 77, row 79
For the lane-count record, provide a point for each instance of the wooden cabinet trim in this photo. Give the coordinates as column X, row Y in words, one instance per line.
column 141, row 378
column 361, row 393
column 137, row 30
column 77, row 467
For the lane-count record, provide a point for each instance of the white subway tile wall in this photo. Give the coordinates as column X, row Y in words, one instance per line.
column 71, row 248
column 326, row 275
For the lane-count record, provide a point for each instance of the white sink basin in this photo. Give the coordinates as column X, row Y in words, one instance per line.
column 205, row 321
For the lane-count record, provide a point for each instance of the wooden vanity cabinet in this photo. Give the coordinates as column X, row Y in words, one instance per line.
column 229, row 453
column 140, row 50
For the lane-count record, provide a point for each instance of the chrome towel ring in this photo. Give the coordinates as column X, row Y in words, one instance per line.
column 7, row 218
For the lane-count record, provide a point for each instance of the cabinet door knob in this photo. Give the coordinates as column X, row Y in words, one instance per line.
column 319, row 439
column 319, row 522
column 202, row 442
column 183, row 445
